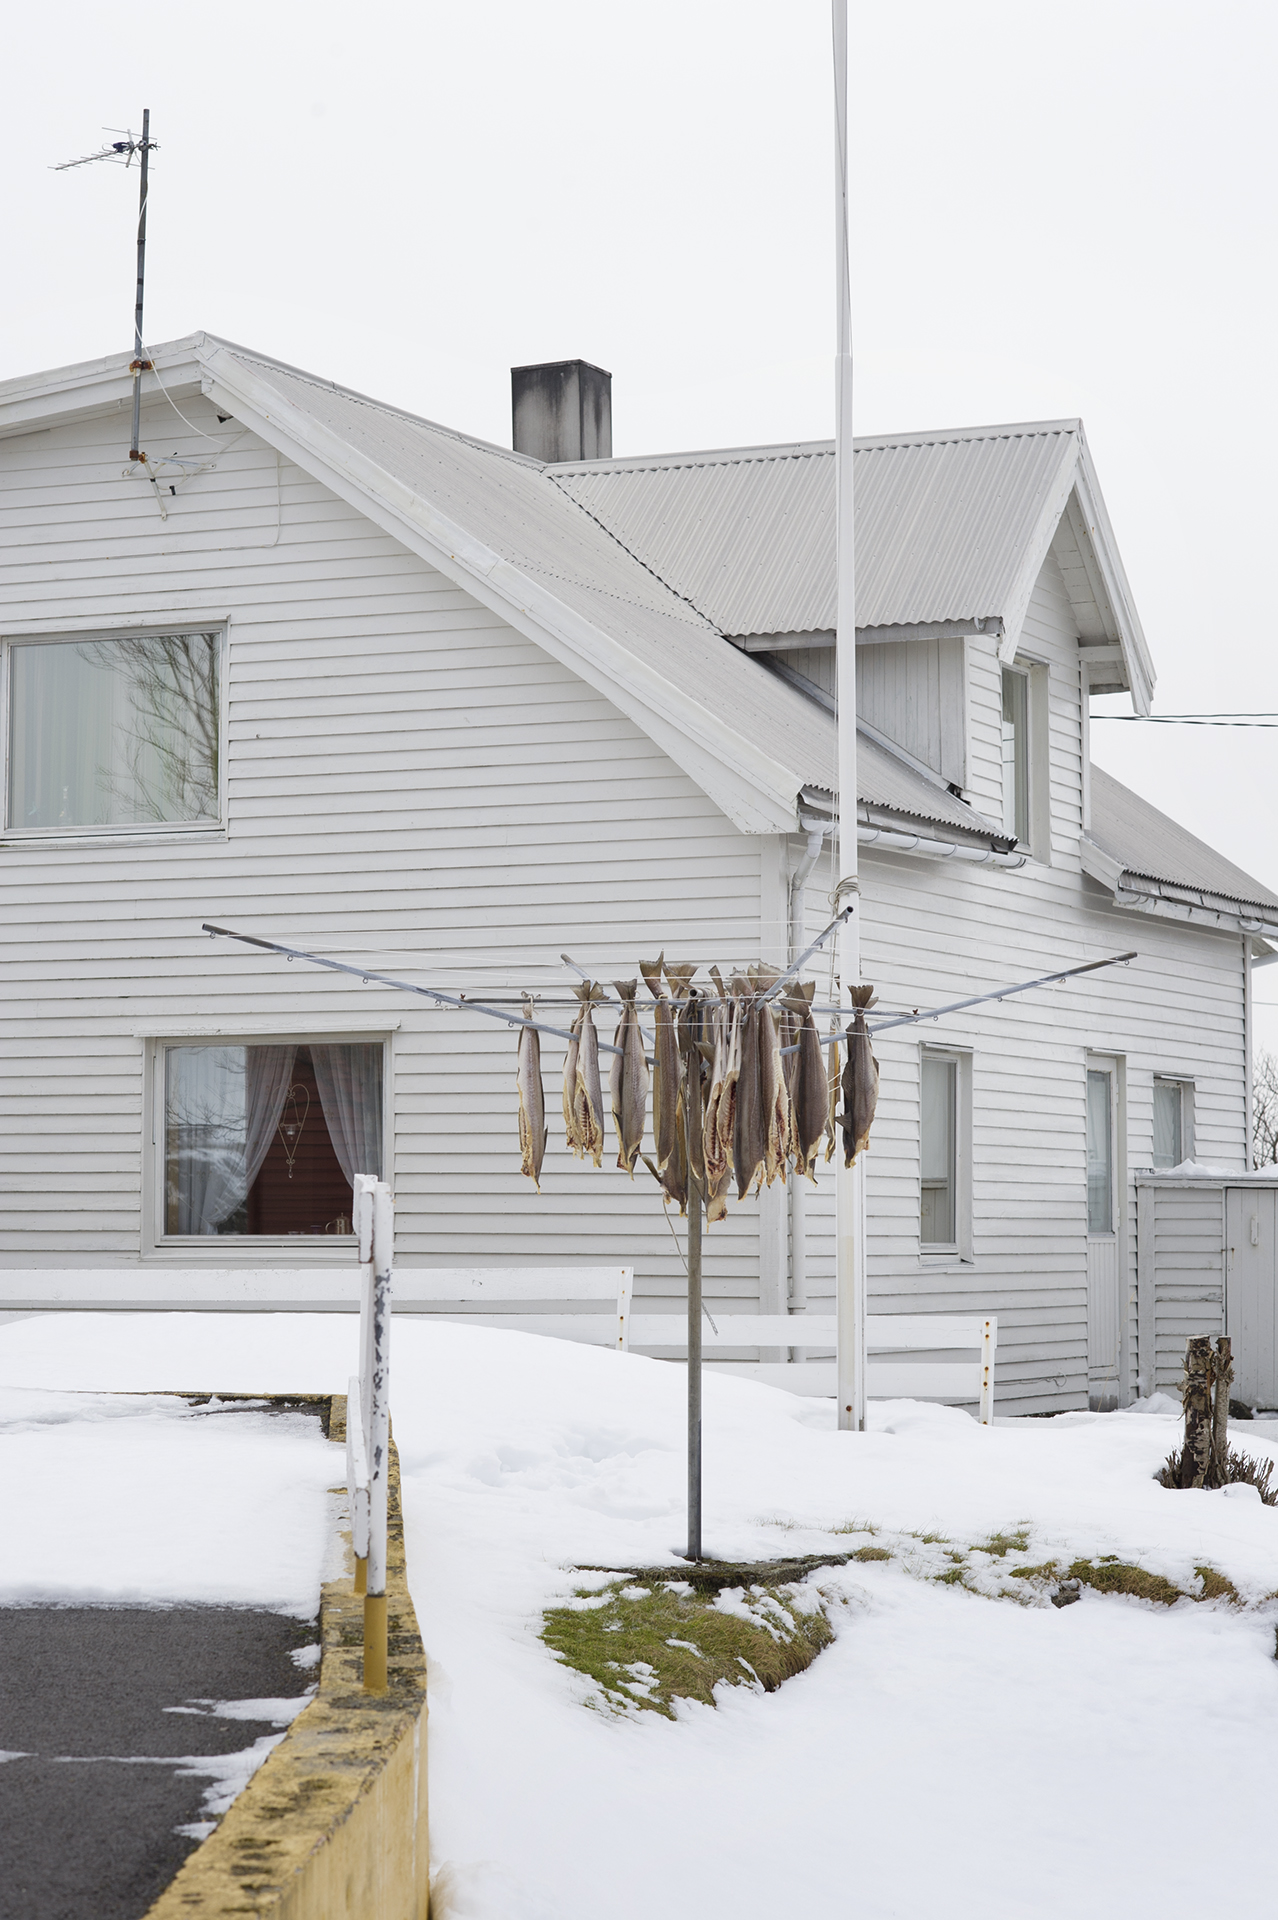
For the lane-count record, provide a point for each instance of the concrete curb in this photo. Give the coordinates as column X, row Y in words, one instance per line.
column 333, row 1826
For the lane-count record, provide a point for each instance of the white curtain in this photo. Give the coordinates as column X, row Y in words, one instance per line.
column 223, row 1105
column 204, row 1118
column 270, row 1075
column 349, row 1079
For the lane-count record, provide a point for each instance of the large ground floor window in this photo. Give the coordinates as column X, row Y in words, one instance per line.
column 268, row 1139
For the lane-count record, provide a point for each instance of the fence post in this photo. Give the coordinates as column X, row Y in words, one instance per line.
column 987, row 1373
column 378, row 1439
column 357, row 1407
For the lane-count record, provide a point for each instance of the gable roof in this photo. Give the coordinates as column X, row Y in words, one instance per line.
column 1148, row 845
column 951, row 530
column 631, row 573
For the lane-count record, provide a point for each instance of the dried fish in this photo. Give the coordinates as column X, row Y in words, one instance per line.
column 832, row 1098
column 570, row 1085
column 810, row 1090
column 776, row 1099
column 532, row 1100
column 587, row 1135
column 860, row 1080
column 716, row 1147
column 628, row 1079
column 751, row 1118
column 666, row 1075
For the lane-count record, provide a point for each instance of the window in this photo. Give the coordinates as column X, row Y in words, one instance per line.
column 1016, row 754
column 939, row 1153
column 1169, row 1123
column 268, row 1139
column 1100, row 1151
column 113, row 732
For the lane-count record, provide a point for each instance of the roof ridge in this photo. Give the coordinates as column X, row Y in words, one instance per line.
column 380, row 406
column 921, row 437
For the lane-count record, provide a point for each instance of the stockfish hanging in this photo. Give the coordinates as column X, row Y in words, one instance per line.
column 744, row 1088
column 665, row 1079
column 860, row 1080
column 532, row 1100
column 809, row 1086
column 628, row 1079
column 583, row 1094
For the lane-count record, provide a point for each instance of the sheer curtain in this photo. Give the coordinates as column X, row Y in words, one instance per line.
column 204, row 1123
column 349, row 1079
column 223, row 1105
column 270, row 1074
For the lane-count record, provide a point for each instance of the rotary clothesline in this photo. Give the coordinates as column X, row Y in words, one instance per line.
column 725, row 1098
column 461, row 1003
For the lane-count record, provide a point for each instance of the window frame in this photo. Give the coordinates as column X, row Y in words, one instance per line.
column 246, row 1249
column 137, row 831
column 1037, row 838
column 959, row 1251
column 1018, row 672
column 1185, row 1088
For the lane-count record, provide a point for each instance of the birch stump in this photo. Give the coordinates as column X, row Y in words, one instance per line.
column 1196, row 1460
column 1223, row 1380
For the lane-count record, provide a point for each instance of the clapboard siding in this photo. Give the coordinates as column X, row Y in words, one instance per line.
column 405, row 776
column 915, row 692
column 412, row 785
column 932, row 933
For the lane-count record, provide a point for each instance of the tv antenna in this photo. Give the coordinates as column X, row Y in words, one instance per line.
column 122, row 152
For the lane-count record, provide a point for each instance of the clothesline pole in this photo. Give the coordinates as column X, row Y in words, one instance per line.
column 849, row 1184
column 694, row 1367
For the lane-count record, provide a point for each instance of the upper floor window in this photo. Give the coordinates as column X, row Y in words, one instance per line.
column 121, row 732
column 1016, row 753
column 1171, row 1123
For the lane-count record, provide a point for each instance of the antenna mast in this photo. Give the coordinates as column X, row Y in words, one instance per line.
column 139, row 365
column 122, row 151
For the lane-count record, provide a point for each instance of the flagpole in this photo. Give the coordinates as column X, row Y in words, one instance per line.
column 849, row 1181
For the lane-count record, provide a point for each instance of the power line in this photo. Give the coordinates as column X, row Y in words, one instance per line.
column 1191, row 719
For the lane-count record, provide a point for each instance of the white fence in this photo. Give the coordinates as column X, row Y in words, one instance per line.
column 591, row 1304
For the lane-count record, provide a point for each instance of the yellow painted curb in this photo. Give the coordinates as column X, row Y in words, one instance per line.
column 333, row 1825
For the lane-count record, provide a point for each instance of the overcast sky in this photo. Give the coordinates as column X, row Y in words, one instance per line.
column 1057, row 211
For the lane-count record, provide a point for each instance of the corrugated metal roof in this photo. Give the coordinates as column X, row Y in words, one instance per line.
column 943, row 524
column 1147, row 843
column 516, row 508
column 888, row 782
column 513, row 507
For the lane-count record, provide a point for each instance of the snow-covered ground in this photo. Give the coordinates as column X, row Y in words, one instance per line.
column 950, row 1753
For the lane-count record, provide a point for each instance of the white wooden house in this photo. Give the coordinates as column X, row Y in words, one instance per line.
column 333, row 675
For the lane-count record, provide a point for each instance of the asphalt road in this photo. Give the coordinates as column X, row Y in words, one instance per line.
column 88, row 1812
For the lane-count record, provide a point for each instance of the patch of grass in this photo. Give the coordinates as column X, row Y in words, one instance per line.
column 646, row 1645
column 1000, row 1544
column 856, row 1526
column 932, row 1539
column 1217, row 1586
column 953, row 1578
column 1048, row 1570
column 1114, row 1576
column 872, row 1553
